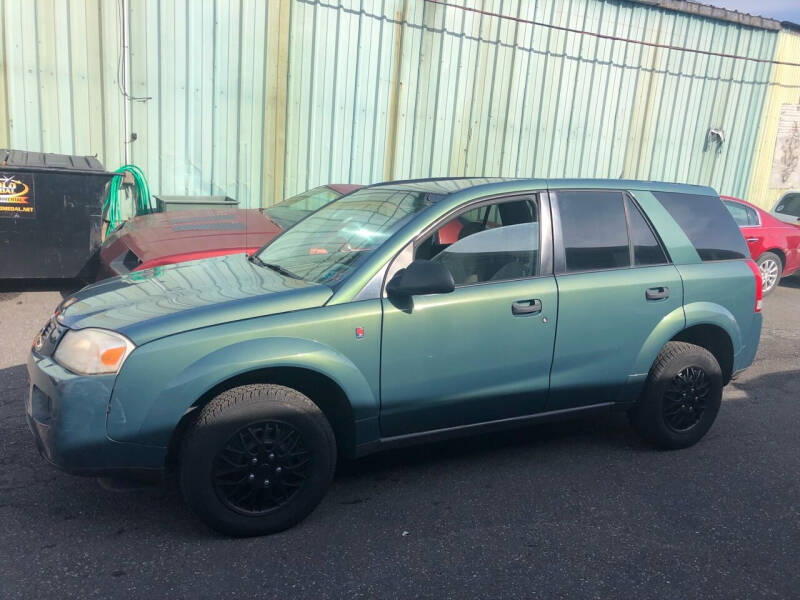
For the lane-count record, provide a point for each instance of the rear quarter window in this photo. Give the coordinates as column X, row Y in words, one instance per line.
column 707, row 224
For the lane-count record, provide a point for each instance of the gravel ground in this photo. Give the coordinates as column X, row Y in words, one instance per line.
column 579, row 509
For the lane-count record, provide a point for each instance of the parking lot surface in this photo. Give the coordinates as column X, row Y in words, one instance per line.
column 579, row 509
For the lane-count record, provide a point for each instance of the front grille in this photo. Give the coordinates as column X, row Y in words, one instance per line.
column 50, row 335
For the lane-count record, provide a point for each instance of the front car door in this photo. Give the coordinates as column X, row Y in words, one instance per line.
column 483, row 352
column 615, row 284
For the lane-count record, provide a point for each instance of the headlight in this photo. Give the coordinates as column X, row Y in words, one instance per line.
column 93, row 351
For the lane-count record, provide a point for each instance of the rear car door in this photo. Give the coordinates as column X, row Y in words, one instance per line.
column 615, row 284
column 483, row 352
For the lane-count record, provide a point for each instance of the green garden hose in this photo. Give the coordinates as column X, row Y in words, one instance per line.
column 111, row 207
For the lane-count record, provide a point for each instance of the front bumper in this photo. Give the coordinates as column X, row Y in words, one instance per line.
column 67, row 416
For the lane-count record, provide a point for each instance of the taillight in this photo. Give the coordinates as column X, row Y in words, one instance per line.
column 759, row 284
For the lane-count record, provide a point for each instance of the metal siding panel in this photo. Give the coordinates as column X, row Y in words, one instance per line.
column 276, row 112
column 462, row 102
column 143, row 153
column 391, row 29
column 784, row 88
column 263, row 100
column 95, row 123
column 110, row 34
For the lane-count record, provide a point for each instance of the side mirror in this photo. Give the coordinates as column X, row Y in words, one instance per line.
column 421, row 277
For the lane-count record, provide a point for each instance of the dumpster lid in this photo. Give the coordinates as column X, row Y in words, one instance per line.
column 44, row 160
column 195, row 199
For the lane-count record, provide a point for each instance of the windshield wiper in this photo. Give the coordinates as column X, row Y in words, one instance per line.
column 273, row 266
column 253, row 258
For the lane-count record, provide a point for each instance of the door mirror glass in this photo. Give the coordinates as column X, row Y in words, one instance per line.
column 421, row 277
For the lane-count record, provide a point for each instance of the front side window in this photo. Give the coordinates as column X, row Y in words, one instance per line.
column 332, row 242
column 594, row 230
column 707, row 224
column 491, row 243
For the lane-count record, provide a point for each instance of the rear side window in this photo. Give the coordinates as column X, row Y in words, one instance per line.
column 646, row 249
column 743, row 215
column 594, row 230
column 707, row 224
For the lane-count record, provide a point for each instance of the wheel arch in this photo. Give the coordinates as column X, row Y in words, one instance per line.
column 716, row 340
column 779, row 253
column 345, row 394
column 321, row 389
column 704, row 324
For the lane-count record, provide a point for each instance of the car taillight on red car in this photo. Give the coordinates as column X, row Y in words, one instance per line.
column 759, row 284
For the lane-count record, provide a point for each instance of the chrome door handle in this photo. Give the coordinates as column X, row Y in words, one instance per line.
column 526, row 307
column 657, row 293
column 751, row 239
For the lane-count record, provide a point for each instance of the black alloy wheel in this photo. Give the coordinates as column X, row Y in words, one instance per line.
column 681, row 398
column 686, row 398
column 261, row 468
column 257, row 459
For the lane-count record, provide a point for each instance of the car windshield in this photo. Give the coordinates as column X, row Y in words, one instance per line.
column 310, row 200
column 328, row 245
column 293, row 209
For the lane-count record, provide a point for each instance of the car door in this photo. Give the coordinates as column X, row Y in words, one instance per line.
column 483, row 352
column 615, row 285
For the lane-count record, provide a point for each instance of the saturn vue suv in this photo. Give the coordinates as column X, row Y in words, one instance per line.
column 401, row 313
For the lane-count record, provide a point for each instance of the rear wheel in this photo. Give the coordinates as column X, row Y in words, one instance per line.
column 682, row 397
column 771, row 267
column 258, row 460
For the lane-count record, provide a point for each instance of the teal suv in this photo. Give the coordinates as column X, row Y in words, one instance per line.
column 400, row 313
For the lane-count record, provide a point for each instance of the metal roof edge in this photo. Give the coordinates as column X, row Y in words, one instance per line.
column 790, row 25
column 714, row 12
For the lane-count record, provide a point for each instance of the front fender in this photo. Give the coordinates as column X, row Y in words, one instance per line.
column 152, row 420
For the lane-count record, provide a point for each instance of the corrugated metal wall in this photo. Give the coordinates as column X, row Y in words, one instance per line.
column 785, row 89
column 261, row 100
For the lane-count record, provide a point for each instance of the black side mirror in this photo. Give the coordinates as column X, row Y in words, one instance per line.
column 421, row 277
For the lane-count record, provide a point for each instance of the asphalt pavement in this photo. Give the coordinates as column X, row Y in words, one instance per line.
column 579, row 510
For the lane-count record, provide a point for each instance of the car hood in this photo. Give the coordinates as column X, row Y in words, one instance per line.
column 153, row 303
column 158, row 235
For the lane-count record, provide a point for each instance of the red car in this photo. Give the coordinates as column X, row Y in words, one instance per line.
column 774, row 245
column 172, row 237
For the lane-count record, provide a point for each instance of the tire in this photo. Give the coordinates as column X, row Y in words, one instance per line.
column 667, row 415
column 258, row 459
column 771, row 267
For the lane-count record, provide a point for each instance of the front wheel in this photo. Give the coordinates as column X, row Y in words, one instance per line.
column 682, row 397
column 258, row 459
column 771, row 267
